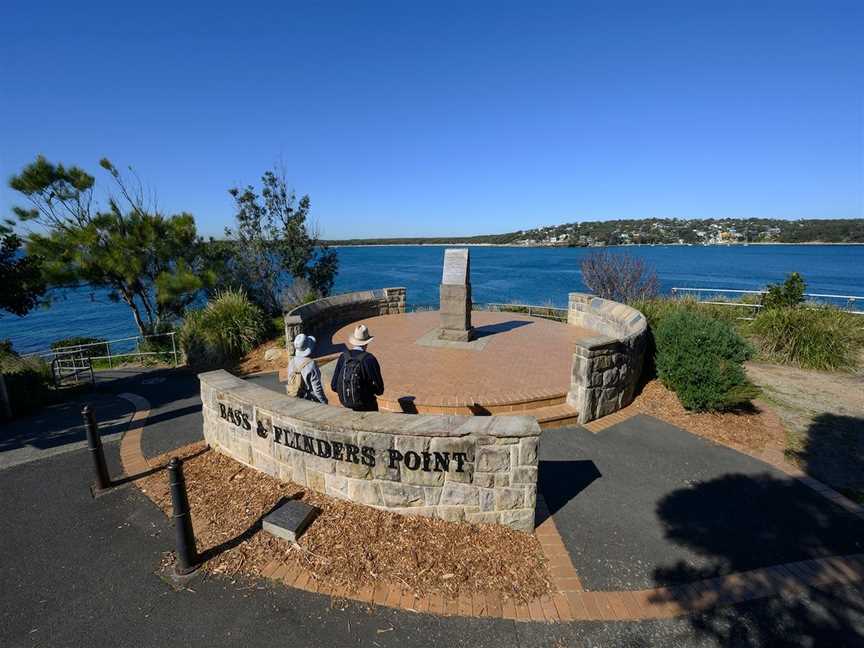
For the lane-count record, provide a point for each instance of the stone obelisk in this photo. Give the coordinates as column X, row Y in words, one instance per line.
column 455, row 305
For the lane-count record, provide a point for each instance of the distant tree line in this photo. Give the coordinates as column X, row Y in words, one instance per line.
column 655, row 231
column 486, row 239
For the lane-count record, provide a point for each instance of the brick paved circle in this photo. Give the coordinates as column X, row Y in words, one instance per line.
column 524, row 359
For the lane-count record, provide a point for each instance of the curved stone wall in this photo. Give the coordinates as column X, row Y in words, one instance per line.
column 471, row 468
column 606, row 368
column 338, row 310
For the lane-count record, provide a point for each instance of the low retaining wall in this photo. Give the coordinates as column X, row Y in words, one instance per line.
column 606, row 368
column 335, row 311
column 476, row 469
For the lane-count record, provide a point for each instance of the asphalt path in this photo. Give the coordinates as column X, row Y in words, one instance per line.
column 644, row 503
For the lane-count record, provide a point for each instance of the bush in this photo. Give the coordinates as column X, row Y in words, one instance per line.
column 815, row 338
column 219, row 334
column 299, row 292
column 657, row 309
column 96, row 350
column 790, row 293
column 701, row 360
column 160, row 343
column 28, row 381
column 619, row 277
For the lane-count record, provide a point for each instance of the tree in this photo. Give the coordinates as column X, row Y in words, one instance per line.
column 786, row 295
column 21, row 283
column 619, row 277
column 275, row 244
column 151, row 262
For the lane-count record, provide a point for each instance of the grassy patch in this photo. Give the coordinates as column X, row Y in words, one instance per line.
column 812, row 338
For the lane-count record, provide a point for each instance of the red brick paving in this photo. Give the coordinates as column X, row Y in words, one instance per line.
column 527, row 363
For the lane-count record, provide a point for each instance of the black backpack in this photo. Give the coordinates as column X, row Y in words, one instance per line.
column 352, row 390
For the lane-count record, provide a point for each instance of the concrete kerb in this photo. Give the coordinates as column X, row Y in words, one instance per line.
column 570, row 602
column 131, row 456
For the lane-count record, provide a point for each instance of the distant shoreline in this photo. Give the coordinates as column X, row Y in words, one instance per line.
column 591, row 247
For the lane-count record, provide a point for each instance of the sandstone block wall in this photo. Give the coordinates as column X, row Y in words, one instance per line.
column 605, row 368
column 337, row 310
column 474, row 469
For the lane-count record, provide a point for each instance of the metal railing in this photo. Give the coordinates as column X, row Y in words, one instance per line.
column 70, row 367
column 112, row 357
column 846, row 302
column 532, row 310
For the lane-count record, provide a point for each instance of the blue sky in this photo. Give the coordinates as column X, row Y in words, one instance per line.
column 435, row 118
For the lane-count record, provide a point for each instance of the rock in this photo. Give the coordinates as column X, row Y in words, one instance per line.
column 456, row 494
column 274, row 354
column 494, row 459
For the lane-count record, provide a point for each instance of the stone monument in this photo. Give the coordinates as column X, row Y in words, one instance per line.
column 455, row 304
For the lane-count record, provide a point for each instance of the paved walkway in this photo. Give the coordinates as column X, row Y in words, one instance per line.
column 95, row 582
column 59, row 428
column 643, row 503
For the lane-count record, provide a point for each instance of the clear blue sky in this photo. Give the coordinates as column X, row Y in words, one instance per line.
column 433, row 118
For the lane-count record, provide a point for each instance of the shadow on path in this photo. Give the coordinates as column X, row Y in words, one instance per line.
column 833, row 453
column 561, row 481
column 740, row 522
column 500, row 327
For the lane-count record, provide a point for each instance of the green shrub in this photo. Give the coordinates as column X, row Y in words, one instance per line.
column 96, row 350
column 160, row 343
column 219, row 334
column 28, row 381
column 659, row 308
column 815, row 338
column 790, row 293
column 701, row 360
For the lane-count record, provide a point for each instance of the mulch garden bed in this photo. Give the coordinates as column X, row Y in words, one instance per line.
column 348, row 545
column 753, row 428
column 254, row 362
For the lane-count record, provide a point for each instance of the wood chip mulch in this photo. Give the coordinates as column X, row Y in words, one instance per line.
column 755, row 428
column 348, row 546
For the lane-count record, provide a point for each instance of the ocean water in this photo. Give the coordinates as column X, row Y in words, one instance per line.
column 524, row 275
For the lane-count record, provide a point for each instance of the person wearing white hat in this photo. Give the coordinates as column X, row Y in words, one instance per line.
column 304, row 376
column 357, row 377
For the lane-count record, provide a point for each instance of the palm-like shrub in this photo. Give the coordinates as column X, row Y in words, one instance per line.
column 701, row 360
column 219, row 334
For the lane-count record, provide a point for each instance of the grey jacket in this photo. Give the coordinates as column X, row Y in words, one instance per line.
column 311, row 377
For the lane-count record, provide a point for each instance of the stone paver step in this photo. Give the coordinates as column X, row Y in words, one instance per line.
column 551, row 416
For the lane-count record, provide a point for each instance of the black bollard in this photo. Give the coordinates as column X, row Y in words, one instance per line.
column 94, row 443
column 187, row 555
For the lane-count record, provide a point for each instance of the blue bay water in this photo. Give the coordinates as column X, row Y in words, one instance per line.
column 524, row 275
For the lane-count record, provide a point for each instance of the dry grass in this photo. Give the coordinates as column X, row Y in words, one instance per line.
column 749, row 429
column 348, row 545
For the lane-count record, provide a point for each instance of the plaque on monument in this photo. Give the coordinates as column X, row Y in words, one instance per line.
column 456, row 270
column 455, row 303
column 289, row 519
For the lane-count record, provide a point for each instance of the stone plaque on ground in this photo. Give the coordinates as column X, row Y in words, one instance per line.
column 289, row 519
column 455, row 304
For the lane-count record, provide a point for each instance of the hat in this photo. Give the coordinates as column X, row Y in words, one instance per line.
column 360, row 337
column 303, row 345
